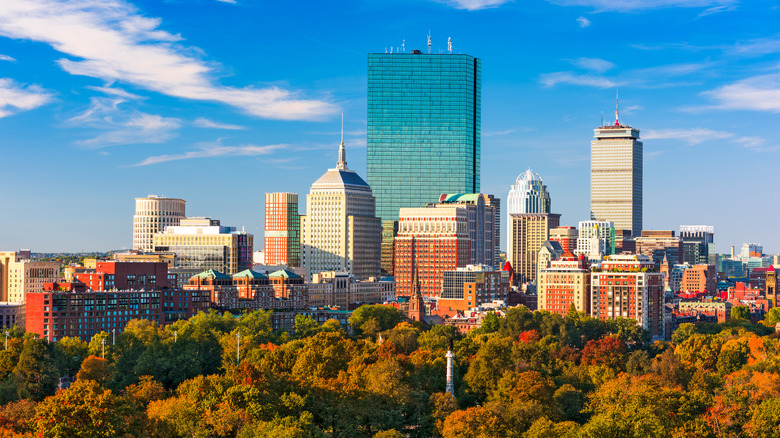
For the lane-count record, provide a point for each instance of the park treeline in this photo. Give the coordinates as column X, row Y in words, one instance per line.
column 528, row 374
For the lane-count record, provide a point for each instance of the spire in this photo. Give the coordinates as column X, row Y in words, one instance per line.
column 342, row 164
column 617, row 117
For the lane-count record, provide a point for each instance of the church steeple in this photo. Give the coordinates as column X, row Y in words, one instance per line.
column 342, row 164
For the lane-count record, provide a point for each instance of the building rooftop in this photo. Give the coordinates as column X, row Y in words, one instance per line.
column 284, row 273
column 213, row 274
column 248, row 273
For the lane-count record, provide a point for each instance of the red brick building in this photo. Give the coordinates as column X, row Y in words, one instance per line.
column 116, row 275
column 627, row 286
column 566, row 236
column 251, row 290
column 282, row 229
column 699, row 278
column 55, row 314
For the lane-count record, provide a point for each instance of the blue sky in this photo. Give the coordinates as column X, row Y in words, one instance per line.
column 218, row 102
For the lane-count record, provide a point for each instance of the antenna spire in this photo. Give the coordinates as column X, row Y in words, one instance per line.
column 342, row 163
column 449, row 45
column 429, row 42
column 617, row 117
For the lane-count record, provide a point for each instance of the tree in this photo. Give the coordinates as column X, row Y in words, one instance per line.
column 476, row 422
column 70, row 352
column 84, row 410
column 740, row 313
column 492, row 360
column 404, row 336
column 305, row 326
column 638, row 363
column 96, row 344
column 385, row 317
column 491, row 323
column 95, row 368
column 609, row 351
column 683, row 332
column 36, row 371
column 772, row 317
column 331, row 325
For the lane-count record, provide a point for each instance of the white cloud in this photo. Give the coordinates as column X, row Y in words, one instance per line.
column 583, row 22
column 691, row 136
column 15, row 97
column 758, row 93
column 123, row 126
column 212, row 151
column 6, row 58
column 118, row 92
column 473, row 5
column 756, row 47
column 593, row 64
column 233, row 2
column 750, row 142
column 202, row 122
column 637, row 5
column 110, row 40
column 553, row 79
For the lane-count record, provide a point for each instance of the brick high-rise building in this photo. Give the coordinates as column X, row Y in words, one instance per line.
column 565, row 282
column 527, row 234
column 566, row 236
column 117, row 275
column 621, row 289
column 456, row 232
column 282, row 230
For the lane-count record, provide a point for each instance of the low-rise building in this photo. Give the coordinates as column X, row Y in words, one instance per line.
column 117, row 275
column 340, row 289
column 565, row 282
column 469, row 287
column 56, row 314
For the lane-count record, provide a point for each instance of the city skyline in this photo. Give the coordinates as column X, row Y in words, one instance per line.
column 201, row 121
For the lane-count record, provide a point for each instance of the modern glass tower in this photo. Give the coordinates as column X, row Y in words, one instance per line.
column 423, row 128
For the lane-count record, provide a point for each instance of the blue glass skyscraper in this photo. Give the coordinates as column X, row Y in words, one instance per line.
column 423, row 128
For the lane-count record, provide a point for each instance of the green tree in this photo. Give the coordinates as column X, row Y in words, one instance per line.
column 385, row 317
column 772, row 317
column 493, row 359
column 36, row 372
column 404, row 336
column 70, row 352
column 96, row 345
column 740, row 313
column 683, row 332
column 305, row 326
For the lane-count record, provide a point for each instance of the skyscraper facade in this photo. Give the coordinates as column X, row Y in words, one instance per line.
column 282, row 229
column 528, row 195
column 595, row 239
column 340, row 231
column 423, row 128
column 152, row 215
column 616, row 177
column 698, row 244
column 527, row 234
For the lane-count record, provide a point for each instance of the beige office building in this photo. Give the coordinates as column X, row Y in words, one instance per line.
column 340, row 231
column 25, row 276
column 565, row 282
column 616, row 177
column 152, row 215
column 527, row 234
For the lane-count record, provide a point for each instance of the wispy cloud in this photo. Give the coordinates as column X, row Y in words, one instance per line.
column 202, row 122
column 691, row 136
column 473, row 5
column 123, row 126
column 583, row 22
column 213, row 151
column 497, row 133
column 15, row 97
column 711, row 6
column 553, row 79
column 593, row 64
column 110, row 40
column 758, row 93
column 233, row 2
column 756, row 47
column 6, row 58
column 118, row 92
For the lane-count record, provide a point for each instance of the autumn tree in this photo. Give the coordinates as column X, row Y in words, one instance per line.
column 95, row 368
column 382, row 318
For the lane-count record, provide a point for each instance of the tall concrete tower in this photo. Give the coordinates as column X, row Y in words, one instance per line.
column 616, row 176
column 152, row 215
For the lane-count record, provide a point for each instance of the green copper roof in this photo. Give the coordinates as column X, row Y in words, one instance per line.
column 284, row 273
column 460, row 197
column 248, row 273
column 213, row 274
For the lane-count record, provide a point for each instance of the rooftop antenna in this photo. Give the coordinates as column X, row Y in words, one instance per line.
column 429, row 42
column 391, row 49
column 449, row 45
column 403, row 46
column 617, row 117
column 342, row 127
column 602, row 119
